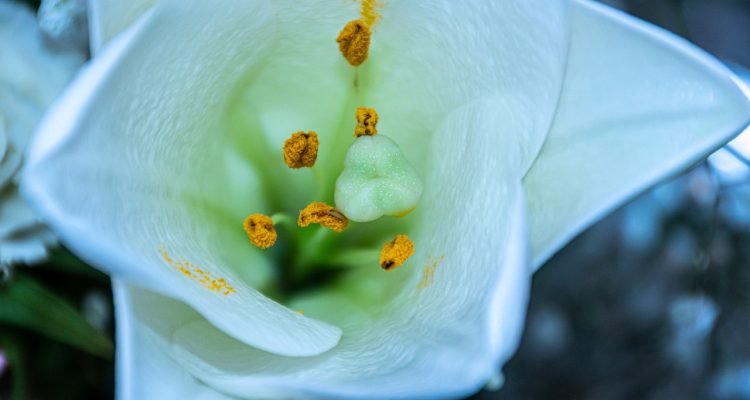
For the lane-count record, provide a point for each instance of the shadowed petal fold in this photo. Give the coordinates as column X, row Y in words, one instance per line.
column 145, row 369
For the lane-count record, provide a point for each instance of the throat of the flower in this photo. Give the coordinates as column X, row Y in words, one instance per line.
column 374, row 180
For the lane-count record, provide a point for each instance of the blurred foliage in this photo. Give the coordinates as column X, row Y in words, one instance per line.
column 45, row 332
column 26, row 304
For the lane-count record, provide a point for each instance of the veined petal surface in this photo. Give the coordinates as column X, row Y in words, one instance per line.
column 637, row 104
column 131, row 168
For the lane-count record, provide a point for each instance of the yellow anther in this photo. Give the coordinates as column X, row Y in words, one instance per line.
column 396, row 252
column 301, row 150
column 370, row 14
column 367, row 121
column 323, row 214
column 260, row 230
column 354, row 41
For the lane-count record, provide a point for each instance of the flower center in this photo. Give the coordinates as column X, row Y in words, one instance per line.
column 377, row 180
column 374, row 180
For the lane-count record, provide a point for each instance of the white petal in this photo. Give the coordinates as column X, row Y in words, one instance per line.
column 304, row 84
column 108, row 18
column 31, row 73
column 637, row 105
column 132, row 161
column 28, row 247
column 429, row 57
column 64, row 23
column 9, row 167
column 144, row 367
column 435, row 340
column 30, row 69
column 15, row 214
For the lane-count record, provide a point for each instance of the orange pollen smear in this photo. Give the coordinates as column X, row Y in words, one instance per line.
column 260, row 230
column 367, row 121
column 323, row 214
column 396, row 252
column 354, row 41
column 219, row 285
column 301, row 149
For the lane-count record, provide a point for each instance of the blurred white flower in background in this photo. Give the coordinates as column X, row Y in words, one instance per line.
column 35, row 67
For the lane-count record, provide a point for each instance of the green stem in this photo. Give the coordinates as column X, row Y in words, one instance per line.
column 283, row 219
column 310, row 249
column 320, row 183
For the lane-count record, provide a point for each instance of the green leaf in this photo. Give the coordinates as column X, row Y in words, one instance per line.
column 27, row 304
column 64, row 261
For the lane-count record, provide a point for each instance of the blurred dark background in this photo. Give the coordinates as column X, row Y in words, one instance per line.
column 652, row 302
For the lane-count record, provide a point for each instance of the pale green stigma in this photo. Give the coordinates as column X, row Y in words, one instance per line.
column 377, row 180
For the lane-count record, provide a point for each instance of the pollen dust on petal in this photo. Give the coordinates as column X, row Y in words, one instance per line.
column 428, row 273
column 204, row 278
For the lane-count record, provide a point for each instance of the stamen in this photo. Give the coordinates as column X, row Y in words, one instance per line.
column 301, row 149
column 260, row 230
column 395, row 252
column 367, row 121
column 354, row 41
column 323, row 214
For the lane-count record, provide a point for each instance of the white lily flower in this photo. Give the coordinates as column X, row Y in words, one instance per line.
column 546, row 112
column 31, row 75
